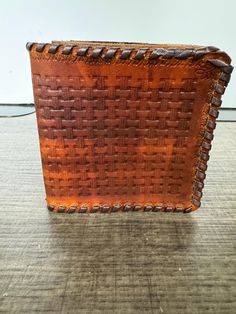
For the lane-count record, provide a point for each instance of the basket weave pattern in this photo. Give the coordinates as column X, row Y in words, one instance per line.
column 124, row 133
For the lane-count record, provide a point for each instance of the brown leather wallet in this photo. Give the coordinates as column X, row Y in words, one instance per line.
column 126, row 126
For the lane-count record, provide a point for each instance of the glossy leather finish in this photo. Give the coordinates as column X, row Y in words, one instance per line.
column 126, row 126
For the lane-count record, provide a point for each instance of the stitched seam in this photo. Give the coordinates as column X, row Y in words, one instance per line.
column 109, row 208
column 94, row 54
column 208, row 131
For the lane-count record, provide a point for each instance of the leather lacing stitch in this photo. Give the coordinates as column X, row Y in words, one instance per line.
column 213, row 112
column 106, row 208
column 127, row 53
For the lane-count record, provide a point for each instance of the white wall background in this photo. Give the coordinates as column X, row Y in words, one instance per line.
column 204, row 22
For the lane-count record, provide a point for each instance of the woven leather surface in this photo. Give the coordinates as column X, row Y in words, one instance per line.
column 125, row 132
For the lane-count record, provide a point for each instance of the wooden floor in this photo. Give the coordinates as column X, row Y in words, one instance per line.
column 114, row 263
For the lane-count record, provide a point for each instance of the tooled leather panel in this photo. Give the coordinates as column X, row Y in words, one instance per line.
column 126, row 129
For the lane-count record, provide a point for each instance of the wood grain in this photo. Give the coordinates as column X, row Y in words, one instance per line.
column 113, row 263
